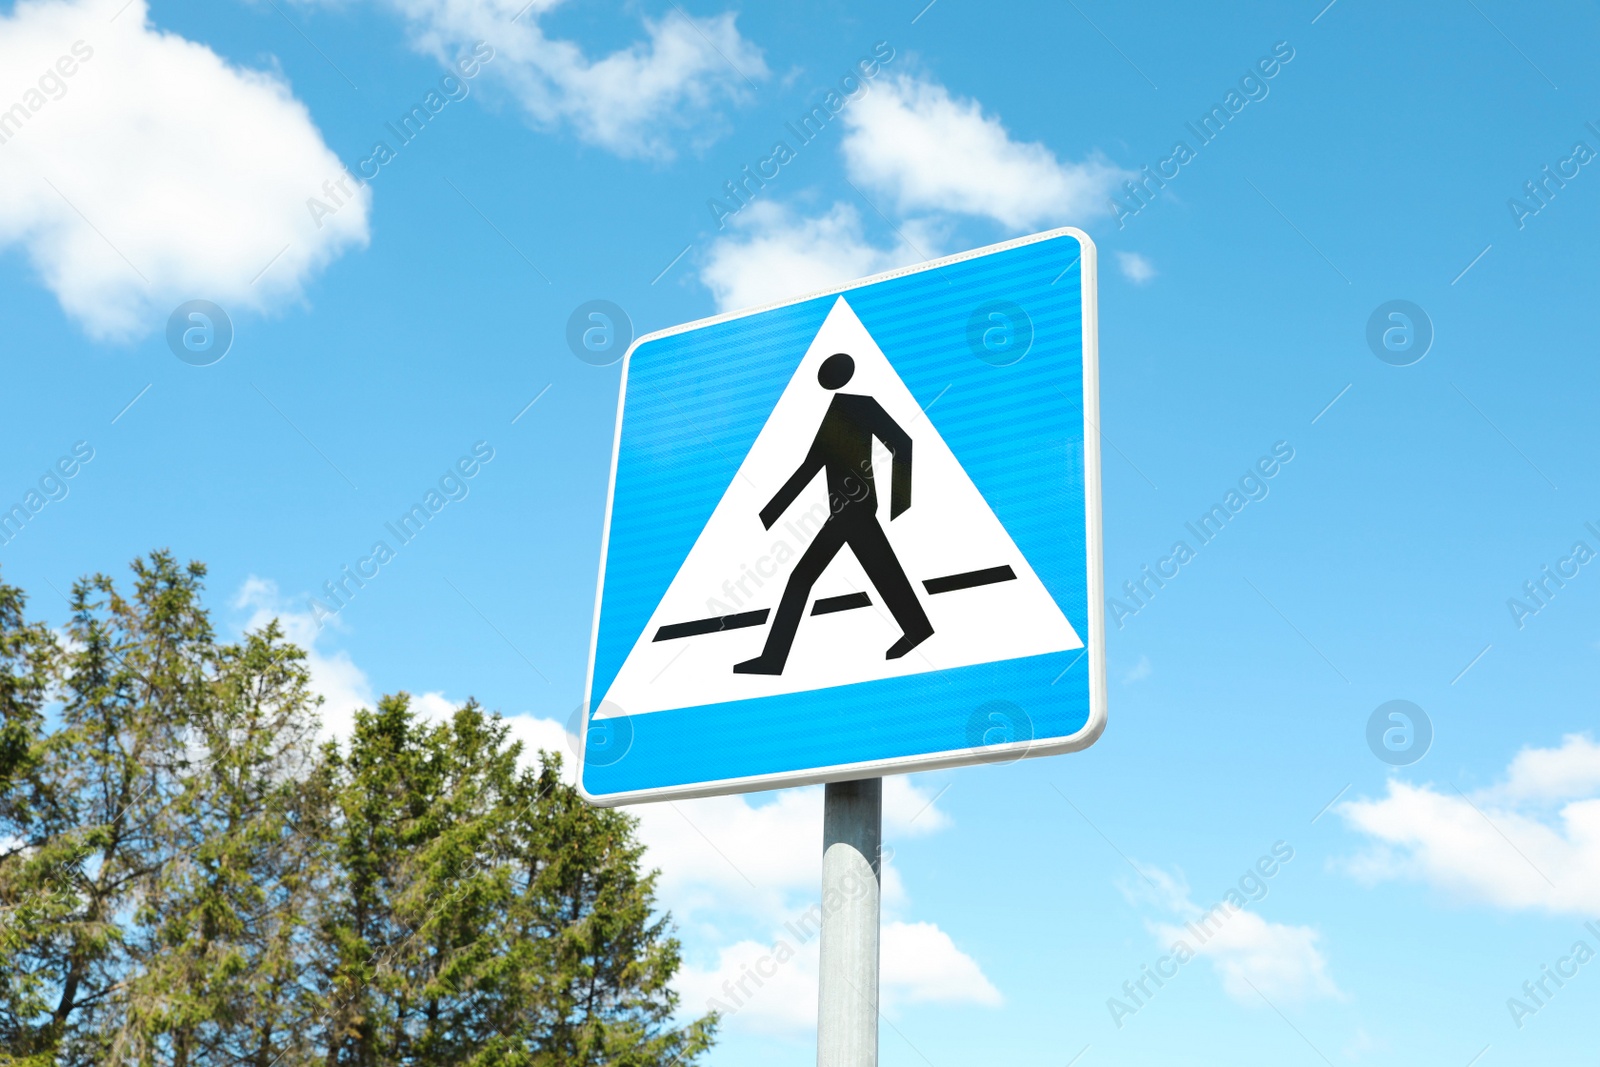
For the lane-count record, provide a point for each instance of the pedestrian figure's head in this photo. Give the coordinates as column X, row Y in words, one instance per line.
column 836, row 370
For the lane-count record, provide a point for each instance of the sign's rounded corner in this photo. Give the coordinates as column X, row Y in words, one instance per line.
column 1095, row 727
column 640, row 342
column 596, row 800
column 1086, row 243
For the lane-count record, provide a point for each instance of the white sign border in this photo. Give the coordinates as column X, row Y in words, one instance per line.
column 1096, row 643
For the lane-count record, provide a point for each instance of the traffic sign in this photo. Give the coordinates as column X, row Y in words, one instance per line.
column 855, row 533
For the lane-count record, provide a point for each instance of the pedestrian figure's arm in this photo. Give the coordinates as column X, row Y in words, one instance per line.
column 797, row 481
column 898, row 442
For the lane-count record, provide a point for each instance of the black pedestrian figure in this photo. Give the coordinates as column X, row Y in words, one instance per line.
column 843, row 448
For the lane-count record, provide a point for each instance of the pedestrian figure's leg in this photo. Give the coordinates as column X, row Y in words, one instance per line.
column 871, row 546
column 813, row 561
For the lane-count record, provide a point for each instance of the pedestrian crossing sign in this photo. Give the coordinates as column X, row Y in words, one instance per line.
column 855, row 533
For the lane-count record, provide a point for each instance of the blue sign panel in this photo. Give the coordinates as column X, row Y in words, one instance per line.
column 854, row 534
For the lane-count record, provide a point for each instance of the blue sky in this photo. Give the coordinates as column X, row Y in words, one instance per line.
column 1378, row 162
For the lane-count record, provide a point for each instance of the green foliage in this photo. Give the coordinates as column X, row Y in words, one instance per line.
column 189, row 877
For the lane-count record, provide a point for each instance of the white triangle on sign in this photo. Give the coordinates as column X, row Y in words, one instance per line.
column 999, row 610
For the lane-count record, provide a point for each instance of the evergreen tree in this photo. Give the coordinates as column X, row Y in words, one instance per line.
column 488, row 914
column 188, row 878
column 95, row 793
column 225, row 923
column 29, row 661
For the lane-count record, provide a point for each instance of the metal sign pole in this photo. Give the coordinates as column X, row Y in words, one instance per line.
column 847, row 998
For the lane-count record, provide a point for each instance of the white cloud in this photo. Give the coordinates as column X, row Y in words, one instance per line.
column 935, row 157
column 726, row 857
column 739, row 873
column 774, row 254
column 156, row 172
column 1283, row 961
column 434, row 706
column 930, row 151
column 783, row 1002
column 546, row 734
column 1166, row 889
column 1139, row 671
column 342, row 685
column 909, row 810
column 755, row 854
column 1531, row 842
column 1569, row 772
column 631, row 101
column 1280, row 960
column 918, row 964
column 535, row 733
column 1363, row 1043
column 1135, row 267
column 345, row 688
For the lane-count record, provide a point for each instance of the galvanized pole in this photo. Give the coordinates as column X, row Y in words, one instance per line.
column 847, row 998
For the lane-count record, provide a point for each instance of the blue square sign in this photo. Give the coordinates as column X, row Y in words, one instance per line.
column 856, row 533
